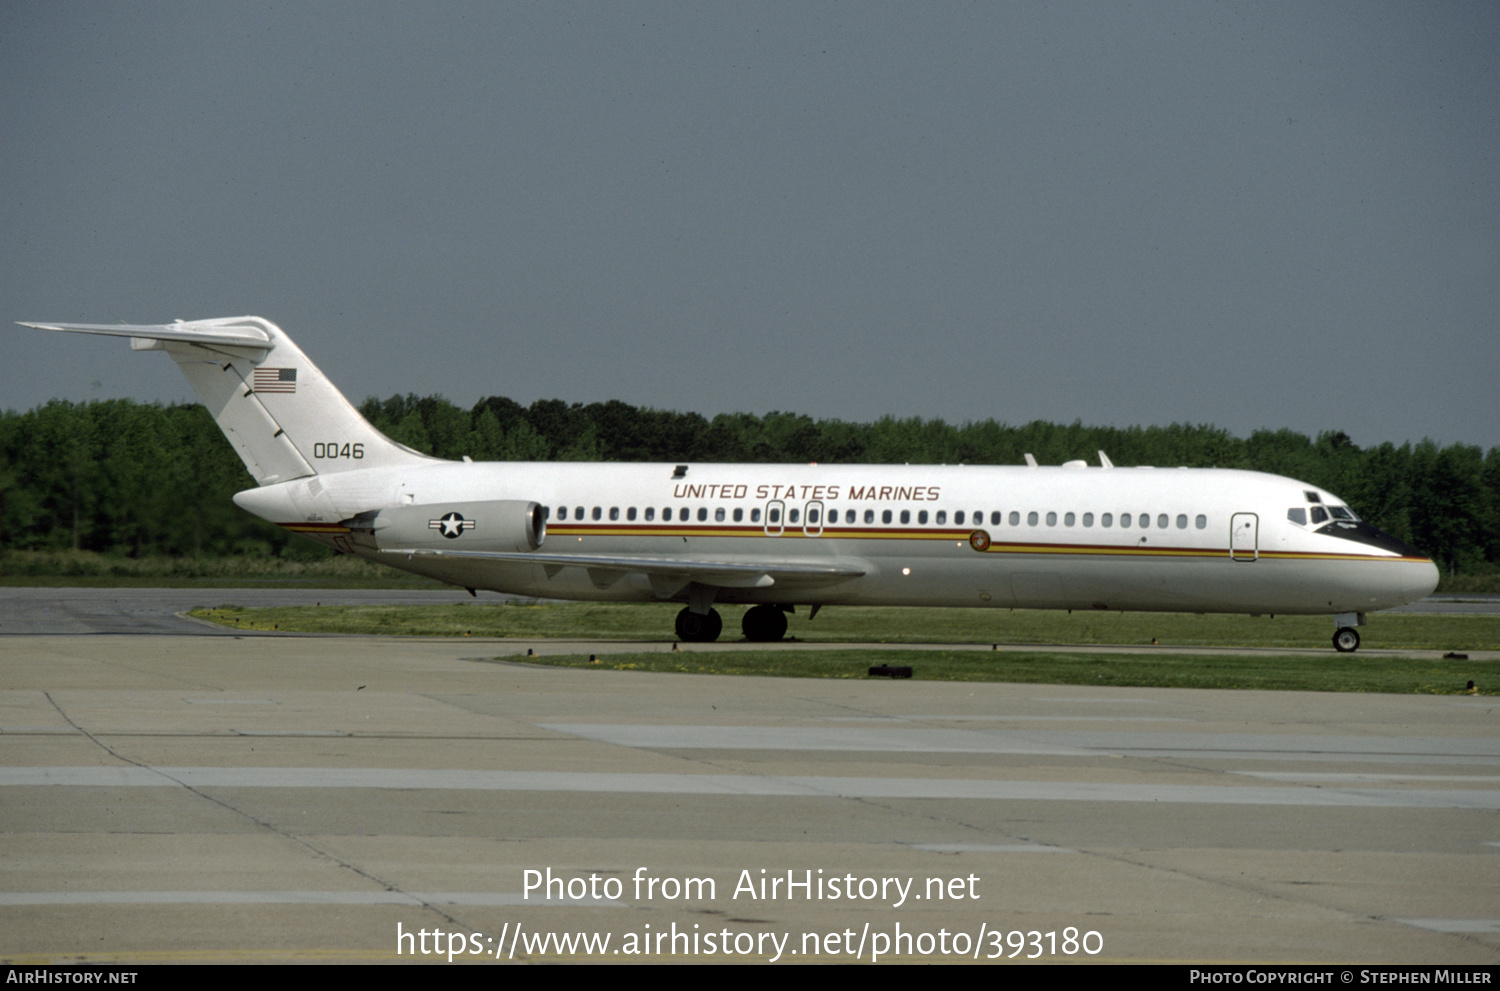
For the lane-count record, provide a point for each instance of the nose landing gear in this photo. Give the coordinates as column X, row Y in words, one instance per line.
column 1345, row 636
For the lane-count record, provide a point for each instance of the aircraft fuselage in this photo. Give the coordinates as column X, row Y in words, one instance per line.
column 1192, row 540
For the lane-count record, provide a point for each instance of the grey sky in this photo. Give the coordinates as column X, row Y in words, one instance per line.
column 1260, row 215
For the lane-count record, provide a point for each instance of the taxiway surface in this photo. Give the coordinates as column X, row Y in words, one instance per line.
column 231, row 798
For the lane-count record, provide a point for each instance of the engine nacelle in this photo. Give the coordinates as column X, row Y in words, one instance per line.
column 499, row 525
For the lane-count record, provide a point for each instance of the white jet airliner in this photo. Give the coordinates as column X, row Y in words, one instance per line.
column 777, row 536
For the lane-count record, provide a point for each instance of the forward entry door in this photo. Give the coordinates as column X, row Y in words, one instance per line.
column 1244, row 542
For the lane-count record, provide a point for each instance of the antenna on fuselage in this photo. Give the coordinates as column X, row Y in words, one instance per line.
column 1104, row 461
column 1030, row 460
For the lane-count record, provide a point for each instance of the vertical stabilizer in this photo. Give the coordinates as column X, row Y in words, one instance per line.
column 283, row 416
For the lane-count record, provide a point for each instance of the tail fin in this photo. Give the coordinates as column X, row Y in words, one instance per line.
column 283, row 416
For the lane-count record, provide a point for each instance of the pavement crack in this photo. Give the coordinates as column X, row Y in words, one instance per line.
column 262, row 823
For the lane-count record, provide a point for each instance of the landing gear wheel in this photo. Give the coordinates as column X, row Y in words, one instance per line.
column 1346, row 640
column 699, row 629
column 763, row 624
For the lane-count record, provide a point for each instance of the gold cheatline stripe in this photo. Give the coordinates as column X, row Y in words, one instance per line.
column 570, row 530
column 962, row 535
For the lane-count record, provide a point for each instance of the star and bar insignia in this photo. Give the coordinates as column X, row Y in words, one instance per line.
column 451, row 525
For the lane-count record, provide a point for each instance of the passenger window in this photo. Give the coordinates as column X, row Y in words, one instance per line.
column 1052, row 519
column 1319, row 514
column 905, row 516
column 755, row 515
column 1124, row 521
column 719, row 515
column 666, row 514
column 958, row 518
column 792, row 515
column 942, row 517
column 614, row 512
column 562, row 512
column 812, row 516
column 885, row 517
column 598, row 513
column 1015, row 518
column 1088, row 519
column 739, row 514
column 702, row 514
column 1107, row 520
column 630, row 513
column 1201, row 522
column 1143, row 520
column 578, row 512
column 1182, row 521
column 997, row 516
column 774, row 516
column 1068, row 520
column 1162, row 521
column 869, row 516
column 650, row 513
column 922, row 516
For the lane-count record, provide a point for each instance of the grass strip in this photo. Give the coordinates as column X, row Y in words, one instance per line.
column 653, row 622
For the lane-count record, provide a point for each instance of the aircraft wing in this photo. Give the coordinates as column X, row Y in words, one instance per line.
column 670, row 573
column 223, row 332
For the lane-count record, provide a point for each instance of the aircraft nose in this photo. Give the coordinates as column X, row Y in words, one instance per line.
column 1422, row 581
column 1419, row 574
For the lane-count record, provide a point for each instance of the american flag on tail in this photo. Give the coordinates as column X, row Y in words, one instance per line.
column 274, row 380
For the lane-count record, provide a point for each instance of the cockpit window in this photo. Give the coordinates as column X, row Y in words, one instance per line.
column 1297, row 515
column 1342, row 513
column 1312, row 496
column 1319, row 514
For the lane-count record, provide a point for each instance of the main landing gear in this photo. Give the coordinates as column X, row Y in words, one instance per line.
column 763, row 624
column 699, row 627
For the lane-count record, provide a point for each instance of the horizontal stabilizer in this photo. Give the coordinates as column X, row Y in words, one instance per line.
column 231, row 331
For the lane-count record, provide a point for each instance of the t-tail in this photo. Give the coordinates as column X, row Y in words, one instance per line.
column 283, row 416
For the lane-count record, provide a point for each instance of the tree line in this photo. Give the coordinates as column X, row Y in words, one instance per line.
column 121, row 477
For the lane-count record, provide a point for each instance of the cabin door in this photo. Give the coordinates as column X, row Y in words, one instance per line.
column 774, row 523
column 1244, row 544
